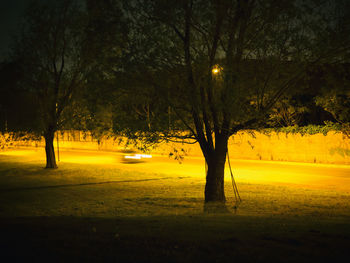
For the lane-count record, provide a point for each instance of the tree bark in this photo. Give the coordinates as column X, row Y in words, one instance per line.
column 49, row 149
column 214, row 187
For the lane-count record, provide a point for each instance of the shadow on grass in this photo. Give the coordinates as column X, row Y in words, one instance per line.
column 197, row 238
column 85, row 184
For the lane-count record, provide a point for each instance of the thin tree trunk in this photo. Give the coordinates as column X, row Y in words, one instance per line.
column 49, row 149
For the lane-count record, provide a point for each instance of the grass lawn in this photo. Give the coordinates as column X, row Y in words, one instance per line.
column 105, row 213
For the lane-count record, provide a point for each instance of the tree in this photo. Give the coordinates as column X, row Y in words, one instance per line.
column 53, row 63
column 17, row 106
column 106, row 32
column 334, row 94
column 203, row 70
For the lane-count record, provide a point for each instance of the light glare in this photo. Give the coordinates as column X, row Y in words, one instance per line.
column 215, row 70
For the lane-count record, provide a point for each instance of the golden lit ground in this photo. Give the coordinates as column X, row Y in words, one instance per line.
column 97, row 204
column 90, row 183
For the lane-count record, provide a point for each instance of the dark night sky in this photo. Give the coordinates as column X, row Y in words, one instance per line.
column 11, row 12
column 10, row 15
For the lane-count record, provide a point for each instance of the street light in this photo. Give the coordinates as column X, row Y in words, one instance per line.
column 216, row 69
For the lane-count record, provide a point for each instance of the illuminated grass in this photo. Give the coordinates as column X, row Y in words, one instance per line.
column 107, row 191
column 127, row 213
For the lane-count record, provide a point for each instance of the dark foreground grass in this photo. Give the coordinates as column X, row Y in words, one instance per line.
column 220, row 238
column 99, row 213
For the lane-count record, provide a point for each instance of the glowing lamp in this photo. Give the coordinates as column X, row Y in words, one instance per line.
column 216, row 70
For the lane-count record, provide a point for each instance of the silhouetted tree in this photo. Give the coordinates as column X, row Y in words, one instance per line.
column 106, row 32
column 202, row 70
column 334, row 95
column 18, row 110
column 53, row 63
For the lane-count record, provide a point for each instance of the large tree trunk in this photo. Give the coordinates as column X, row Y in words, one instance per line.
column 49, row 149
column 214, row 187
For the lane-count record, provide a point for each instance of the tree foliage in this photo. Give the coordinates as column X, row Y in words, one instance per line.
column 106, row 32
column 50, row 51
column 263, row 48
column 260, row 49
column 334, row 94
column 18, row 110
